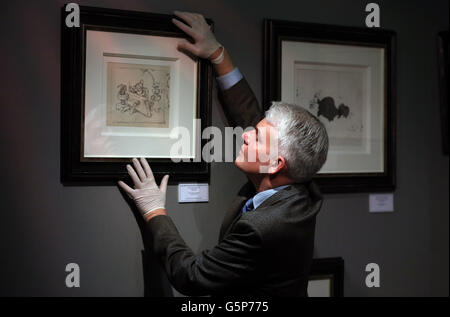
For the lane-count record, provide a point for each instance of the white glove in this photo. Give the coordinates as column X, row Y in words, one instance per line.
column 146, row 195
column 205, row 42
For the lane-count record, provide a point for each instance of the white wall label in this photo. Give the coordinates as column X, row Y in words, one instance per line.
column 189, row 193
column 381, row 202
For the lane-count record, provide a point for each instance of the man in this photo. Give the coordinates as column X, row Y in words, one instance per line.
column 267, row 237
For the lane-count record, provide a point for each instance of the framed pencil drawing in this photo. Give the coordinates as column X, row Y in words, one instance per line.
column 345, row 77
column 125, row 91
column 137, row 95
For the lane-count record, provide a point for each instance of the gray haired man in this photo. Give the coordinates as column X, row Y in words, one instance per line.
column 266, row 240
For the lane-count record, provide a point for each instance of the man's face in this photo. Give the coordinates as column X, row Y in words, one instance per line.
column 259, row 149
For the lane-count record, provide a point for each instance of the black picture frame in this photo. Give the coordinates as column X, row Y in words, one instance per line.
column 331, row 269
column 443, row 69
column 275, row 31
column 74, row 170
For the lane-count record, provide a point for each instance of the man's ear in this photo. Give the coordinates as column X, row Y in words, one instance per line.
column 277, row 165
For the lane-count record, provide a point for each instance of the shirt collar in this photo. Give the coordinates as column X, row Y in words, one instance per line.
column 260, row 197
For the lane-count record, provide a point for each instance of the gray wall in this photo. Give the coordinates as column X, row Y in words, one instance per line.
column 45, row 225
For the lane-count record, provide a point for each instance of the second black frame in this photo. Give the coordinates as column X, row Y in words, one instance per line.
column 276, row 31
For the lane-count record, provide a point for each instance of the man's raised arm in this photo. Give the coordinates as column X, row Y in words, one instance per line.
column 238, row 101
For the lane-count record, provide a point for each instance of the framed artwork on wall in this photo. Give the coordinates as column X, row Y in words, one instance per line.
column 345, row 76
column 126, row 91
column 443, row 64
column 326, row 278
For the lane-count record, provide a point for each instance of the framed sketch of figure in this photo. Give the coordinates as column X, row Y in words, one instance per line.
column 345, row 76
column 127, row 92
column 138, row 95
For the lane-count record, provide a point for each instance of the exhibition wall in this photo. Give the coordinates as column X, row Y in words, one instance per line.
column 45, row 225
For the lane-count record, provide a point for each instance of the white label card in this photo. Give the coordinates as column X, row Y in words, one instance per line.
column 381, row 202
column 189, row 193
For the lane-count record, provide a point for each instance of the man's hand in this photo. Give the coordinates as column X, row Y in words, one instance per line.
column 205, row 42
column 148, row 197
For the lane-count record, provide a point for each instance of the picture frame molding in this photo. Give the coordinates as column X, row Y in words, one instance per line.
column 443, row 71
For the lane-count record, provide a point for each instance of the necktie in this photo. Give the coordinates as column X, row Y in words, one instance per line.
column 248, row 205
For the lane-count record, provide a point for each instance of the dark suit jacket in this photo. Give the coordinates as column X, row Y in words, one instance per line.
column 264, row 252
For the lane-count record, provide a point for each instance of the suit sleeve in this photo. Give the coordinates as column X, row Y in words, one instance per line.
column 240, row 105
column 227, row 266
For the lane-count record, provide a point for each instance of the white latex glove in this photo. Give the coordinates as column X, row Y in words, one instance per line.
column 205, row 42
column 146, row 195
